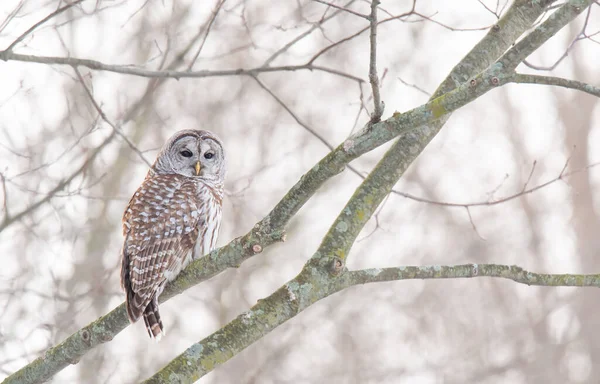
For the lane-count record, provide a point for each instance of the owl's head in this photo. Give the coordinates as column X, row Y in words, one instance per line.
column 192, row 153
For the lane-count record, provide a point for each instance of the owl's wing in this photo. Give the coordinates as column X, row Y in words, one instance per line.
column 161, row 225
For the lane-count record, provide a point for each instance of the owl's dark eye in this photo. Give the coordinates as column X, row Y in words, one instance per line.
column 186, row 153
column 209, row 155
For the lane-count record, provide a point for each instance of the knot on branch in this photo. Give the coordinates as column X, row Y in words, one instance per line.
column 257, row 248
column 86, row 336
column 336, row 266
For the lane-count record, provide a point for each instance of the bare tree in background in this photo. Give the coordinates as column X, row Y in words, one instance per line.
column 90, row 90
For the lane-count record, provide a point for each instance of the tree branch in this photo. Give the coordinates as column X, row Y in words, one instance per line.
column 342, row 9
column 510, row 272
column 520, row 78
column 173, row 74
column 373, row 77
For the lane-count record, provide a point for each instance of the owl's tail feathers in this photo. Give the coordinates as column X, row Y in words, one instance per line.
column 136, row 303
column 152, row 319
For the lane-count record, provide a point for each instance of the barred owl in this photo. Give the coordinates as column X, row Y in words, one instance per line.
column 173, row 218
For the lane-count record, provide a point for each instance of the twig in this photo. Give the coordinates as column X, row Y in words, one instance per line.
column 342, row 9
column 116, row 128
column 415, row 87
column 4, row 197
column 562, row 175
column 473, row 224
column 357, row 33
column 373, row 77
column 530, row 176
column 580, row 36
column 34, row 26
column 303, row 35
column 210, row 23
column 294, row 116
column 11, row 15
column 495, row 13
column 307, row 127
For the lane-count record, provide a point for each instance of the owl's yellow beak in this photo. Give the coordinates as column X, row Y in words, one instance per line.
column 197, row 167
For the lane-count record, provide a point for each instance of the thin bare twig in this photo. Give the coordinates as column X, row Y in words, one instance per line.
column 415, row 87
column 303, row 35
column 11, row 15
column 378, row 105
column 582, row 35
column 342, row 9
column 307, row 127
column 562, row 175
column 4, row 197
column 473, row 224
column 357, row 33
column 530, row 176
column 116, row 128
column 294, row 116
column 34, row 26
column 495, row 13
column 210, row 23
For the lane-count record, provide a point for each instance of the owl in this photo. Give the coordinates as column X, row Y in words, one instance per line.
column 173, row 218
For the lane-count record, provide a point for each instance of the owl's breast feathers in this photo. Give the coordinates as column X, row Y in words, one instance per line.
column 161, row 225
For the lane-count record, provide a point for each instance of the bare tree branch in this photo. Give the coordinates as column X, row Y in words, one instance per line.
column 215, row 12
column 373, row 77
column 173, row 74
column 342, row 9
column 510, row 272
column 487, row 203
column 520, row 78
column 298, row 38
column 45, row 19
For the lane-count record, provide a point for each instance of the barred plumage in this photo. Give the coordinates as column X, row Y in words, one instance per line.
column 173, row 218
